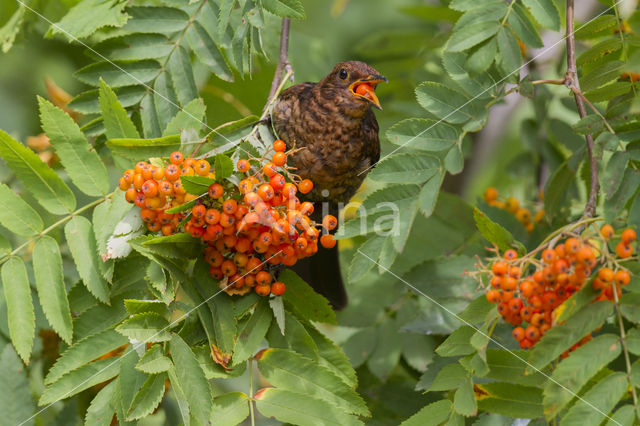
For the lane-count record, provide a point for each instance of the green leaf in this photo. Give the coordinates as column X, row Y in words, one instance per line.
column 153, row 361
column 17, row 404
column 165, row 100
column 17, row 294
column 117, row 123
column 80, row 379
column 88, row 16
column 145, row 327
column 297, row 408
column 230, row 409
column 509, row 400
column 149, row 116
column 458, row 343
column 445, row 103
column 601, row 75
column 596, row 27
column 471, row 35
column 181, row 71
column 18, row 216
column 11, row 28
column 449, row 377
column 509, row 366
column 80, row 160
column 89, row 102
column 161, row 20
column 143, row 149
column 45, row 185
column 285, row 8
column 223, row 166
column 189, row 117
column 148, row 397
column 180, row 245
column 597, row 402
column 331, row 356
column 599, row 50
column 291, row 371
column 545, row 12
column 277, row 306
column 481, row 57
column 130, row 381
column 432, row 414
column 251, row 332
column 556, row 189
column 423, row 134
column 562, row 336
column 5, row 246
column 119, row 73
column 192, row 380
column 361, row 264
column 633, row 340
column 197, row 185
column 613, row 173
column 83, row 352
column 102, row 407
column 47, row 267
column 629, row 306
column 429, row 193
column 494, row 233
column 360, row 345
column 523, row 27
column 623, row 416
column 406, row 168
column 510, row 55
column 303, row 301
column 106, row 217
column 464, row 401
column 575, row 371
column 207, row 51
column 82, row 243
column 591, row 124
column 137, row 47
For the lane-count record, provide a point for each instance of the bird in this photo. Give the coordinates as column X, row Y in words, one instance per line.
column 333, row 134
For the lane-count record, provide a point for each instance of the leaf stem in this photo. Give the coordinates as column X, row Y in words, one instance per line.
column 253, row 417
column 283, row 63
column 623, row 342
column 55, row 225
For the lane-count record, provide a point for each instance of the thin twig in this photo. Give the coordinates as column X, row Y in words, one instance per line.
column 571, row 81
column 623, row 342
column 595, row 110
column 283, row 61
column 558, row 82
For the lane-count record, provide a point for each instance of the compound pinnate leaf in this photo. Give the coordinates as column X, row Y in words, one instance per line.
column 117, row 123
column 17, row 403
column 18, row 216
column 17, row 294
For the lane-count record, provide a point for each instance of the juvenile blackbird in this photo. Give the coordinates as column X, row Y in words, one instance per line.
column 335, row 133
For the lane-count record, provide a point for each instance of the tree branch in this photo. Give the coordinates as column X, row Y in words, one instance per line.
column 283, row 62
column 571, row 81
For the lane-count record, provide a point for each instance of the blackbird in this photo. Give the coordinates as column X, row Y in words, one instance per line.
column 335, row 133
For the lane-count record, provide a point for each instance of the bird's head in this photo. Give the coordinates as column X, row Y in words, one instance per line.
column 351, row 85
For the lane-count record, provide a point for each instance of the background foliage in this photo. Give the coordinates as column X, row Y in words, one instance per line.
column 460, row 114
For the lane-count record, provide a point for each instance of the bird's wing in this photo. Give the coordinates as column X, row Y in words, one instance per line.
column 286, row 106
column 370, row 129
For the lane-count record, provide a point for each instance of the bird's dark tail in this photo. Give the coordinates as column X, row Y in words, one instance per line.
column 322, row 270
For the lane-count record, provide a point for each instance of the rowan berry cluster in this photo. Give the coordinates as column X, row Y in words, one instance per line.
column 512, row 205
column 528, row 289
column 249, row 228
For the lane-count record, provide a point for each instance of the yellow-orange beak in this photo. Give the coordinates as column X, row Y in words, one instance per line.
column 365, row 88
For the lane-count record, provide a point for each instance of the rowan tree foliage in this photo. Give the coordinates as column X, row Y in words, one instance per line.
column 490, row 256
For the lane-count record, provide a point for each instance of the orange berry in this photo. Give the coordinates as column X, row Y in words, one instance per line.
column 228, row 267
column 526, row 288
column 199, row 211
column 262, row 290
column 172, row 172
column 130, row 195
column 363, row 89
column 305, row 186
column 278, row 288
column 279, row 159
column 277, row 182
column 549, row 255
column 606, row 231
column 263, row 278
column 500, row 268
column 515, row 304
column 150, row 188
column 147, row 215
column 622, row 277
column 128, row 175
column 526, row 343
column 628, row 236
column 327, row 241
column 123, row 184
column 243, row 165
column 202, row 167
column 509, row 283
column 623, row 250
column 532, row 333
column 269, row 169
column 216, row 190
column 279, row 145
column 490, row 194
column 176, row 158
column 518, row 333
column 512, row 205
column 510, row 254
column 266, row 192
column 494, row 296
column 329, row 222
column 572, row 245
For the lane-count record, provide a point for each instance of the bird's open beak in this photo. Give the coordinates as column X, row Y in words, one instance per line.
column 365, row 88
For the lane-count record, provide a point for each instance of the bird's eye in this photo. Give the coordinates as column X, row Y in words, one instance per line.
column 343, row 74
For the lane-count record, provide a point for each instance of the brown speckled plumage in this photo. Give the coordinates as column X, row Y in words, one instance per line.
column 338, row 136
column 336, row 129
